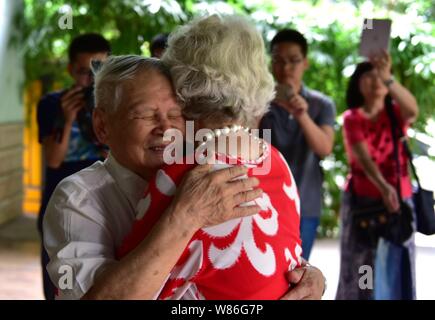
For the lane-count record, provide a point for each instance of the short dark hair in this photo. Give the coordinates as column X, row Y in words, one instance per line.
column 293, row 36
column 160, row 41
column 88, row 43
column 354, row 97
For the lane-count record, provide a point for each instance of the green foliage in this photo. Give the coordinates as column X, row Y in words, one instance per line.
column 129, row 25
column 332, row 28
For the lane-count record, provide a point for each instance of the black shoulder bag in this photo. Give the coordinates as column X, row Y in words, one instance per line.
column 423, row 199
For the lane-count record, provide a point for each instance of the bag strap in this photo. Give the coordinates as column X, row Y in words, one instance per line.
column 352, row 191
column 395, row 128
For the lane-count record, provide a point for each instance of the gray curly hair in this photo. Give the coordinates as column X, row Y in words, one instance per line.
column 219, row 70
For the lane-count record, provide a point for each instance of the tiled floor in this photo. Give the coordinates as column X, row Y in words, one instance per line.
column 20, row 272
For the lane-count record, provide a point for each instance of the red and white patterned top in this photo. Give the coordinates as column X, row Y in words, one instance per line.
column 244, row 258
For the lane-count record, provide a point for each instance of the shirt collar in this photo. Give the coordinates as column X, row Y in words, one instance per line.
column 132, row 185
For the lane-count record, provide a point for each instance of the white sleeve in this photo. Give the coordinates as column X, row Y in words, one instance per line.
column 77, row 239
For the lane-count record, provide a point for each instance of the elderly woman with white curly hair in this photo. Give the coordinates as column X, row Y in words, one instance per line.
column 220, row 74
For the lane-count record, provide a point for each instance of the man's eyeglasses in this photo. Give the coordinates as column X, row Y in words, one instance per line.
column 283, row 62
column 84, row 72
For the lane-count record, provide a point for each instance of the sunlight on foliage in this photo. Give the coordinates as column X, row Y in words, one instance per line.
column 331, row 27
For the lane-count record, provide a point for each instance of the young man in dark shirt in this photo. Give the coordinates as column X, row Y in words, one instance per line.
column 302, row 123
column 64, row 124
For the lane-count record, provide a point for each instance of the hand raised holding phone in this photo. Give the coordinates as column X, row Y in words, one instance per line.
column 286, row 98
column 71, row 102
column 375, row 37
column 382, row 63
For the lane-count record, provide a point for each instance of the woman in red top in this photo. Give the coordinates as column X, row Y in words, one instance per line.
column 219, row 70
column 372, row 178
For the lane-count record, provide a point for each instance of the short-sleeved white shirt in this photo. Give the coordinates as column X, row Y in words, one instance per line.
column 87, row 218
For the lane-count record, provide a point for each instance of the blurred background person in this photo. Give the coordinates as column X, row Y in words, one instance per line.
column 302, row 123
column 65, row 128
column 158, row 45
column 373, row 178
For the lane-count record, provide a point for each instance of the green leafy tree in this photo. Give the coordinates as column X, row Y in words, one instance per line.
column 332, row 28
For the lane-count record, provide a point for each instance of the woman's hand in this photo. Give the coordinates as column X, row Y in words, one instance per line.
column 382, row 63
column 390, row 198
column 402, row 96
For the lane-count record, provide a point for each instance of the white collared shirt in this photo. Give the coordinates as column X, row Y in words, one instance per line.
column 87, row 218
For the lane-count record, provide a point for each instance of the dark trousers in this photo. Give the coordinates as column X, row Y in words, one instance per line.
column 392, row 266
column 308, row 234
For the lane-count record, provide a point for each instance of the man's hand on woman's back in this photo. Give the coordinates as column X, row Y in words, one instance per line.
column 212, row 197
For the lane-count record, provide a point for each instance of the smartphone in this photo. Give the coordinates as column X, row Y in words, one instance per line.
column 284, row 92
column 375, row 37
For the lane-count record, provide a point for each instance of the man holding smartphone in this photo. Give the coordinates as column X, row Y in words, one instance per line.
column 66, row 147
column 302, row 123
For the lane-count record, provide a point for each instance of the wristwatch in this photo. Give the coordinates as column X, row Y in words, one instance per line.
column 389, row 82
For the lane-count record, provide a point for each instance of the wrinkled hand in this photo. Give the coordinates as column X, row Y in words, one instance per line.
column 382, row 63
column 390, row 198
column 212, row 197
column 71, row 102
column 308, row 284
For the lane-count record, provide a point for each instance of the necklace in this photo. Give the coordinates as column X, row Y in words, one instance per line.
column 225, row 131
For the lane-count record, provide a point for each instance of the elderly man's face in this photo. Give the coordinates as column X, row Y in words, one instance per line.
column 135, row 131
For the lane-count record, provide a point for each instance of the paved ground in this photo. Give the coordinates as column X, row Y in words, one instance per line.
column 326, row 256
column 20, row 272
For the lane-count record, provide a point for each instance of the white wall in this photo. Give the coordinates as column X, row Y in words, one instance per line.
column 11, row 66
column 11, row 116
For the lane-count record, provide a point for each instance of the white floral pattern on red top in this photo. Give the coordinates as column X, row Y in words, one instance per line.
column 244, row 258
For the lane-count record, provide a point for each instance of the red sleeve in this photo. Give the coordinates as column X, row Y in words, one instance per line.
column 157, row 198
column 352, row 126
